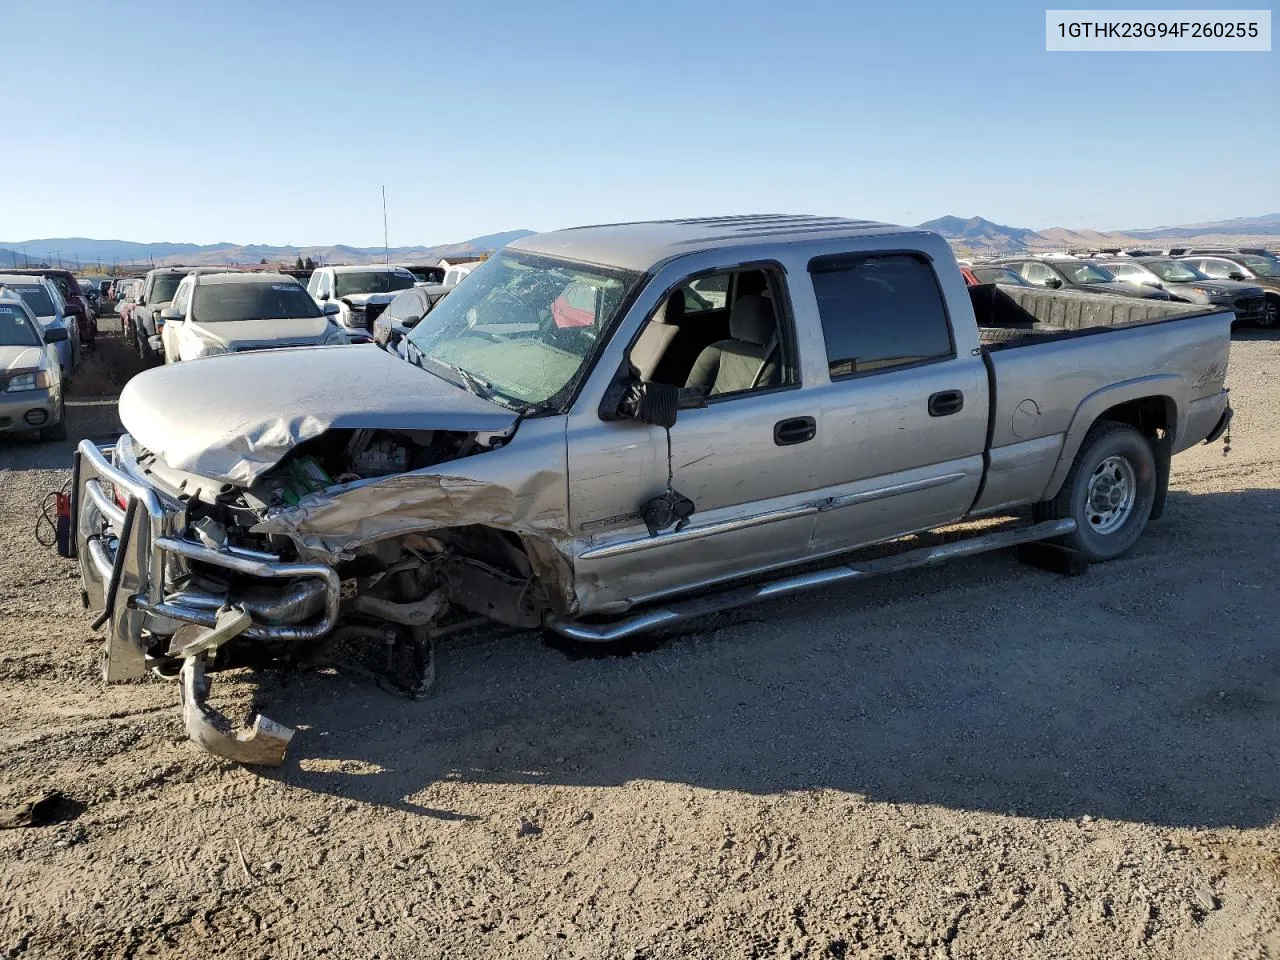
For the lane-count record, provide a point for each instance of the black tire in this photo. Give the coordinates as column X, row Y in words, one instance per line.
column 1118, row 455
column 1270, row 318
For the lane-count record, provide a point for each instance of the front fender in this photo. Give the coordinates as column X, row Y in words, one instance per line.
column 1169, row 387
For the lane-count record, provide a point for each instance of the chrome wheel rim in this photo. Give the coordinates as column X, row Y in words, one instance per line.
column 1113, row 490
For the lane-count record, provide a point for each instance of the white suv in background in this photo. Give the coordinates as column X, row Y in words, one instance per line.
column 360, row 293
column 217, row 313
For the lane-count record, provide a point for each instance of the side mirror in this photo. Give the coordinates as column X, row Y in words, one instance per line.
column 1236, row 276
column 142, row 301
column 170, row 315
column 649, row 402
column 411, row 321
column 322, row 297
column 1153, row 283
column 329, row 309
column 56, row 335
column 1053, row 283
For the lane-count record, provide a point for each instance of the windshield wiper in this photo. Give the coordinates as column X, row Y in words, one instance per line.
column 478, row 385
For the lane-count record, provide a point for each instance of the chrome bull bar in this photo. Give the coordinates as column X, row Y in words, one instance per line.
column 124, row 567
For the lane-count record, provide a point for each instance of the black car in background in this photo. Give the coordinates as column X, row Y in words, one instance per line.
column 1184, row 282
column 1258, row 269
column 1072, row 273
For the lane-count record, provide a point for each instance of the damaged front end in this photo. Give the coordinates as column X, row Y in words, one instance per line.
column 358, row 540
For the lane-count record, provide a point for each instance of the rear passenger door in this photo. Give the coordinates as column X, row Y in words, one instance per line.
column 903, row 422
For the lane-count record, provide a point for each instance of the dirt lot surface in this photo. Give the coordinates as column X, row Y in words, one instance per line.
column 982, row 760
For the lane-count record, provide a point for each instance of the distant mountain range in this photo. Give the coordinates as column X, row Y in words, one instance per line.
column 974, row 234
column 80, row 252
column 983, row 236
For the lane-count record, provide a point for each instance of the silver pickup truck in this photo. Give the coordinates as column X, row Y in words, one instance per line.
column 609, row 429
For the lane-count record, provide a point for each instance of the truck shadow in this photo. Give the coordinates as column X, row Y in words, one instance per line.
column 1147, row 690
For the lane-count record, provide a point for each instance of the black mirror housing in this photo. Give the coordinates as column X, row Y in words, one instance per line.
column 56, row 335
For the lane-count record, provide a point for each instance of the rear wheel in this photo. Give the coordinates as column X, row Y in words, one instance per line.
column 1109, row 492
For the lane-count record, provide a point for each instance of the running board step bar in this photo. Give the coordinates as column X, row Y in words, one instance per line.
column 799, row 583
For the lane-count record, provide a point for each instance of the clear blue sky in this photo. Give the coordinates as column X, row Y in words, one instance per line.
column 274, row 122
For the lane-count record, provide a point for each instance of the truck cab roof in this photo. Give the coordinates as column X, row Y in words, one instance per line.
column 640, row 245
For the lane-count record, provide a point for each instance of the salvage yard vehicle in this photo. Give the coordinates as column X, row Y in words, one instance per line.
column 30, row 375
column 405, row 312
column 1183, row 282
column 980, row 273
column 214, row 313
column 579, row 441
column 359, row 293
column 154, row 296
column 1252, row 268
column 1071, row 273
column 77, row 304
column 46, row 303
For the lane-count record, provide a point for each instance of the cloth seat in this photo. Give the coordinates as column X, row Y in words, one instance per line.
column 651, row 345
column 748, row 359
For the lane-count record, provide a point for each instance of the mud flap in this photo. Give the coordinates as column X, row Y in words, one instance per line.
column 1162, row 450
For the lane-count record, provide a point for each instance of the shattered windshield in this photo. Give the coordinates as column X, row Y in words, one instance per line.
column 225, row 302
column 522, row 327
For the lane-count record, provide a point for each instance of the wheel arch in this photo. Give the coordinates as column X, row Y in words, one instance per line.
column 1148, row 404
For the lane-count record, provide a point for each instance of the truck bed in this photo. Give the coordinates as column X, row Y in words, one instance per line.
column 1029, row 314
column 1097, row 353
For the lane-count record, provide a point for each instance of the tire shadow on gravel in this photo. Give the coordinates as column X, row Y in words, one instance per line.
column 1147, row 690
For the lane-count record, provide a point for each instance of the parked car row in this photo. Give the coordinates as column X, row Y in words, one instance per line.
column 1245, row 282
column 163, row 320
column 52, row 313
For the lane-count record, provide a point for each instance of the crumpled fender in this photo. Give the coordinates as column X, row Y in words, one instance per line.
column 330, row 525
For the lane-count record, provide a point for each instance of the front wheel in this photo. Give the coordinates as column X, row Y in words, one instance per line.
column 1270, row 318
column 1109, row 492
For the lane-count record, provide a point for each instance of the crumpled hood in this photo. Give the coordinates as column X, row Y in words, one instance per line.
column 233, row 418
column 21, row 358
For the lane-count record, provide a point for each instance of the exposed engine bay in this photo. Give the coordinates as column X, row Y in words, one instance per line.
column 396, row 595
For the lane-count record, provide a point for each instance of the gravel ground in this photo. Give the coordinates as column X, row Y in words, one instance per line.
column 979, row 760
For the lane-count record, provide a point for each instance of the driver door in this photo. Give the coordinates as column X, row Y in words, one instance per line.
column 748, row 460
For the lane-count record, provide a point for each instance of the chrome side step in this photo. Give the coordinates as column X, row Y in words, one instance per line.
column 741, row 596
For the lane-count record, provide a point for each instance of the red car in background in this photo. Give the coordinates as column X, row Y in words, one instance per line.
column 77, row 303
column 992, row 273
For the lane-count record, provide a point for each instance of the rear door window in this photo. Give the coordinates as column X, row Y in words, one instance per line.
column 880, row 313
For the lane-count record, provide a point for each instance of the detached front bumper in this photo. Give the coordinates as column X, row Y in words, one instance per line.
column 136, row 566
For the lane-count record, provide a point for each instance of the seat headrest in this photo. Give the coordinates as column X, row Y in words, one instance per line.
column 752, row 320
column 673, row 310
